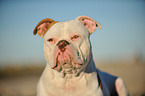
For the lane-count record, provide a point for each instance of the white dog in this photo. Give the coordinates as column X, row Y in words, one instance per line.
column 70, row 69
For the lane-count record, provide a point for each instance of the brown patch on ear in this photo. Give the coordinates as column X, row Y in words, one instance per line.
column 43, row 26
column 89, row 23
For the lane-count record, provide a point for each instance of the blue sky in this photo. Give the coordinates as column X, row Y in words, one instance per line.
column 122, row 34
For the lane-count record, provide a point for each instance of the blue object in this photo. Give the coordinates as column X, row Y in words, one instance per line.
column 107, row 82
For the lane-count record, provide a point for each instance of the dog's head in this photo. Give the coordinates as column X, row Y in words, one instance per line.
column 67, row 46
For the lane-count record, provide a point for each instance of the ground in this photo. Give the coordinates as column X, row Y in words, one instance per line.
column 23, row 81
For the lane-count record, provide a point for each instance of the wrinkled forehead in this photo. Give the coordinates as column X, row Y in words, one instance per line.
column 62, row 29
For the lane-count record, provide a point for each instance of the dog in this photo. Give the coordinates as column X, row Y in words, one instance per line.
column 70, row 68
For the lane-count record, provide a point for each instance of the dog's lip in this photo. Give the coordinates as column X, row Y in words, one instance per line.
column 56, row 62
column 71, row 58
column 67, row 66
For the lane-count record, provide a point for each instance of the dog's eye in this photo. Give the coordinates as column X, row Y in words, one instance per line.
column 50, row 40
column 75, row 37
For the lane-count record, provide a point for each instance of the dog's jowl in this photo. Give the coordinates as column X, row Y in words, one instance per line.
column 70, row 69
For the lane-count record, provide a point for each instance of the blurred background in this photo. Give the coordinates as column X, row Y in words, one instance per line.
column 118, row 48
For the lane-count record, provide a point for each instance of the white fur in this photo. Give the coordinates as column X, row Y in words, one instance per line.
column 121, row 87
column 83, row 80
column 52, row 82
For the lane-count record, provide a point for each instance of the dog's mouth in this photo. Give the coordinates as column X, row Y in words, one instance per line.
column 67, row 61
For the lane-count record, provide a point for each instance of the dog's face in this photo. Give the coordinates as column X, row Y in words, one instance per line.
column 67, row 46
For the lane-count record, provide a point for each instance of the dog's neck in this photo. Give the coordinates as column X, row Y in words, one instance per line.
column 86, row 69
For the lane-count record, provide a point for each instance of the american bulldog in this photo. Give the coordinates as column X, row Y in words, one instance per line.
column 70, row 69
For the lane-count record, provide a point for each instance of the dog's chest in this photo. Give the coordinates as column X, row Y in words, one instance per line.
column 73, row 88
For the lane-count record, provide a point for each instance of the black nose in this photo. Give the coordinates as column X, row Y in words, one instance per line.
column 62, row 44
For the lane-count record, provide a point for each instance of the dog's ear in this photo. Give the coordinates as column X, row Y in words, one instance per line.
column 89, row 23
column 43, row 26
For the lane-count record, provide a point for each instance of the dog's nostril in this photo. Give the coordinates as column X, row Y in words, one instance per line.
column 62, row 44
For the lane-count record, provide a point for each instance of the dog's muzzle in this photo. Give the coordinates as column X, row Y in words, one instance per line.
column 62, row 44
column 67, row 58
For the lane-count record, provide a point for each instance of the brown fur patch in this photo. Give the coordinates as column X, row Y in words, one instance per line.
column 47, row 20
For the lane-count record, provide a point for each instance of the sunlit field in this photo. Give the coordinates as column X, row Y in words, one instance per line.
column 22, row 80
